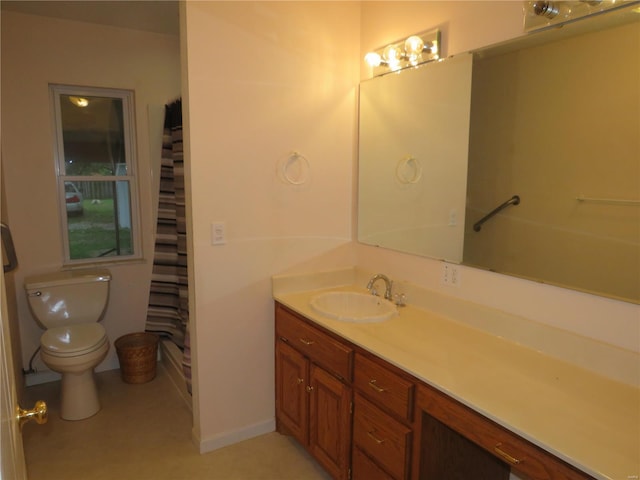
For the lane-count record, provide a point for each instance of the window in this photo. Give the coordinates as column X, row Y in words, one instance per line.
column 95, row 164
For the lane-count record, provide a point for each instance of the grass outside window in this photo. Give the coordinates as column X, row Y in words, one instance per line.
column 93, row 234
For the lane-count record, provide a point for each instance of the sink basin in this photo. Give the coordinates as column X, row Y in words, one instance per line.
column 353, row 307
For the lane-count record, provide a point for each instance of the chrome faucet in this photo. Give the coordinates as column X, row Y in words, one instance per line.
column 387, row 283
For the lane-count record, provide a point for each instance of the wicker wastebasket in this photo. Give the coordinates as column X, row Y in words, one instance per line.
column 137, row 353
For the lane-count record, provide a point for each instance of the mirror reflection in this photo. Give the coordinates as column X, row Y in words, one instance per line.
column 554, row 121
column 414, row 137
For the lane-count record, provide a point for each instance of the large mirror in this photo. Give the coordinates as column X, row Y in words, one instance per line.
column 551, row 132
column 414, row 131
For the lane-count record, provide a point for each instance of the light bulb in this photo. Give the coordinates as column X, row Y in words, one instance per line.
column 373, row 59
column 79, row 101
column 394, row 66
column 392, row 54
column 415, row 59
column 413, row 45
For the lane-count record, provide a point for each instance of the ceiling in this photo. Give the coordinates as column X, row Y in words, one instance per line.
column 159, row 16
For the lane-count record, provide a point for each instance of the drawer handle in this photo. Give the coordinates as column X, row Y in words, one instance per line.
column 372, row 435
column 306, row 342
column 309, row 389
column 284, row 339
column 300, row 380
column 506, row 456
column 372, row 384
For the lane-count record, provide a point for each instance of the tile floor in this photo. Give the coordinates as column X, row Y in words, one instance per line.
column 144, row 432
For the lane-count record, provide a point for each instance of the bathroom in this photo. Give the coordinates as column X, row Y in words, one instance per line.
column 260, row 80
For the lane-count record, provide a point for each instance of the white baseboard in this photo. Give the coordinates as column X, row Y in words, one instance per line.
column 229, row 438
column 171, row 361
column 41, row 376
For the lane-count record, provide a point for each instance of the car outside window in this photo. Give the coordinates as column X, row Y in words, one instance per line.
column 95, row 165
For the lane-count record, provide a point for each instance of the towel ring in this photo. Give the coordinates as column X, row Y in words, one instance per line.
column 405, row 163
column 297, row 178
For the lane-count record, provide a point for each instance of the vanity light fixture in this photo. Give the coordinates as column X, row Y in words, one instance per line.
column 413, row 51
column 540, row 14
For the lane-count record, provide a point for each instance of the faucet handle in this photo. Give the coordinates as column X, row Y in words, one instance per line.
column 400, row 299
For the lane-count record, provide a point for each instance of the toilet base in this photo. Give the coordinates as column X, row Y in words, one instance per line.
column 79, row 396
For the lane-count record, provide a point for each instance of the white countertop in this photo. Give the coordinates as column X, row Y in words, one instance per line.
column 586, row 419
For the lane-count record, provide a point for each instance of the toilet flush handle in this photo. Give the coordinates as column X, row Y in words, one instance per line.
column 35, row 294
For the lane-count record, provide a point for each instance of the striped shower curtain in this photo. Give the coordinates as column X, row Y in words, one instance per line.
column 168, row 311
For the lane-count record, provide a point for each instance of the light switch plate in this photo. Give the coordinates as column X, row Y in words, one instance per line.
column 218, row 233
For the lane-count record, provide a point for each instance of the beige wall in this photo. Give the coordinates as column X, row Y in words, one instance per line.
column 263, row 79
column 37, row 51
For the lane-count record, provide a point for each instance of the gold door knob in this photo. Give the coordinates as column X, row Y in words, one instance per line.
column 38, row 413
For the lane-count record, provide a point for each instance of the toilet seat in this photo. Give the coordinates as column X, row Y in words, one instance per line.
column 73, row 340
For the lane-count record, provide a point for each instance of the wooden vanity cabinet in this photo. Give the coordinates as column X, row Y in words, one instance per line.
column 313, row 392
column 366, row 419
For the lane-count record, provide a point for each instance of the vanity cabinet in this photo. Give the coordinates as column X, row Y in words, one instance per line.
column 313, row 392
column 363, row 418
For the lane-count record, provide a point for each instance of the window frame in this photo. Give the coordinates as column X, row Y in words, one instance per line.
column 128, row 106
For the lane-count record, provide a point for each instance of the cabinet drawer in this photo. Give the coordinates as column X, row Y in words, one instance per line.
column 383, row 387
column 314, row 344
column 382, row 438
column 521, row 455
column 364, row 468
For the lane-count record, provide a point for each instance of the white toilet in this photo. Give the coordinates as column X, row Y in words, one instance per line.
column 69, row 306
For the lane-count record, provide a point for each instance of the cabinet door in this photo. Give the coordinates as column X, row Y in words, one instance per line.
column 292, row 405
column 329, row 422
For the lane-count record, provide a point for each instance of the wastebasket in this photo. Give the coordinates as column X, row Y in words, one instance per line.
column 137, row 353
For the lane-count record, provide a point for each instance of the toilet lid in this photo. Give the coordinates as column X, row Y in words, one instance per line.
column 73, row 339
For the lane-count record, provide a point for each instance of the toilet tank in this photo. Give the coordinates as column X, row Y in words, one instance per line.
column 69, row 297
